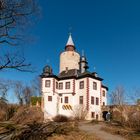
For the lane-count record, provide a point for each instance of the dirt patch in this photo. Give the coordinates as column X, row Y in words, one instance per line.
column 96, row 129
column 116, row 129
column 74, row 135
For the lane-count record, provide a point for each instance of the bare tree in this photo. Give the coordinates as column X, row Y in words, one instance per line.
column 14, row 61
column 18, row 89
column 80, row 112
column 134, row 96
column 118, row 96
column 14, row 15
column 36, row 86
column 27, row 92
column 4, row 87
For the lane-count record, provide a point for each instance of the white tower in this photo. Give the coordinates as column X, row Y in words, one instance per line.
column 69, row 59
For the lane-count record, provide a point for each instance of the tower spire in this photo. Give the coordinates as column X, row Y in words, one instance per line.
column 70, row 40
column 70, row 44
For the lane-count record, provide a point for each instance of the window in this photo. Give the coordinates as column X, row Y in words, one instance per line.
column 81, row 84
column 103, row 93
column 66, row 100
column 47, row 83
column 67, row 86
column 94, row 85
column 92, row 114
column 66, row 69
column 49, row 98
column 56, row 85
column 81, row 100
column 60, row 85
column 61, row 100
column 103, row 103
column 92, row 100
column 97, row 101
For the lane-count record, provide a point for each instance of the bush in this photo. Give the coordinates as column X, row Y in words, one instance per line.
column 10, row 127
column 94, row 121
column 61, row 118
column 127, row 116
column 26, row 115
column 134, row 121
column 34, row 100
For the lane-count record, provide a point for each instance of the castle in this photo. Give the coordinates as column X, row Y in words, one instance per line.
column 75, row 90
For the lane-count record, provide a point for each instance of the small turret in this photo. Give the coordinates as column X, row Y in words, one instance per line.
column 47, row 70
column 83, row 64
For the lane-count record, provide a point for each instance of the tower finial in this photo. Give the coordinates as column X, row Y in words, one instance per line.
column 83, row 53
column 70, row 30
column 48, row 61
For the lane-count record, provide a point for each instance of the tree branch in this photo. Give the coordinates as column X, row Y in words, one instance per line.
column 15, row 61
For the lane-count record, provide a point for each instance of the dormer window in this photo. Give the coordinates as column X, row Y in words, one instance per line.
column 67, row 86
column 81, row 84
column 47, row 83
column 94, row 85
column 61, row 85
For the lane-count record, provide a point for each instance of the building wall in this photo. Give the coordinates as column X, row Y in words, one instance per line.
column 50, row 107
column 96, row 94
column 58, row 105
column 66, row 108
column 77, row 107
column 69, row 59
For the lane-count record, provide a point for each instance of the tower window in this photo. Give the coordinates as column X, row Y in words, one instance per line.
column 103, row 103
column 66, row 99
column 92, row 100
column 67, row 86
column 49, row 98
column 81, row 100
column 66, row 69
column 103, row 93
column 97, row 101
column 94, row 85
column 61, row 85
column 81, row 84
column 47, row 83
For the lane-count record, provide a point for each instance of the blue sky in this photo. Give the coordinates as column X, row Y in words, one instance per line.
column 107, row 30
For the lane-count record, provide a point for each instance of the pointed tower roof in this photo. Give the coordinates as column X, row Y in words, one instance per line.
column 70, row 41
column 70, row 45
